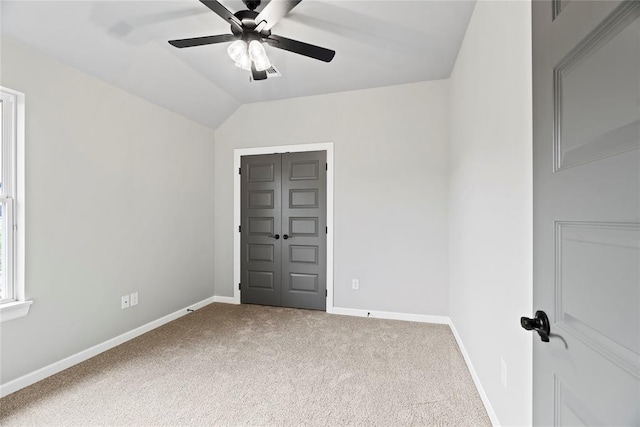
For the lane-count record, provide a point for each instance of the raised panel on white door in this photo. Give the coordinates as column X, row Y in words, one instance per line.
column 260, row 252
column 593, row 390
column 597, row 94
column 261, row 199
column 261, row 226
column 303, row 198
column 300, row 282
column 261, row 279
column 598, row 287
column 303, row 226
column 264, row 172
column 571, row 410
column 304, row 253
column 304, row 170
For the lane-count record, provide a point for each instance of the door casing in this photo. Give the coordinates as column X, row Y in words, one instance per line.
column 237, row 154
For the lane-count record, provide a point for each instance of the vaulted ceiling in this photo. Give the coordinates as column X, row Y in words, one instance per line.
column 377, row 43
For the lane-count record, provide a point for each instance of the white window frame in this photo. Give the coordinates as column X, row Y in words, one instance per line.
column 12, row 198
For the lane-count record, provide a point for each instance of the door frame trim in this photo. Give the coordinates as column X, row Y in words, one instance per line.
column 279, row 149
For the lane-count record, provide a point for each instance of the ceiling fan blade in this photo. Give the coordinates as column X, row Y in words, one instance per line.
column 199, row 41
column 257, row 75
column 306, row 49
column 275, row 10
column 223, row 12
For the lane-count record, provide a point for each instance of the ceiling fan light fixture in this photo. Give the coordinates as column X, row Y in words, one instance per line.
column 238, row 50
column 244, row 62
column 259, row 56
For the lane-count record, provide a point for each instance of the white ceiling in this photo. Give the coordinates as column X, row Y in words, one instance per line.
column 377, row 43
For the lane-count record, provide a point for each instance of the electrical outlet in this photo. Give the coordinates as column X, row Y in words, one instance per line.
column 503, row 372
column 134, row 299
column 125, row 302
column 355, row 284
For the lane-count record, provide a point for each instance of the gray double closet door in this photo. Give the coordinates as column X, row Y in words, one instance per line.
column 283, row 230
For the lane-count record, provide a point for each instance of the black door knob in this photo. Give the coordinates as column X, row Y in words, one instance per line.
column 275, row 236
column 285, row 237
column 539, row 323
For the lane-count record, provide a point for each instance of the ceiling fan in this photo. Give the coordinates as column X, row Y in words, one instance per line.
column 249, row 29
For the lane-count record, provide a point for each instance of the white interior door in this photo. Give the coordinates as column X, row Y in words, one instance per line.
column 586, row 90
column 284, row 229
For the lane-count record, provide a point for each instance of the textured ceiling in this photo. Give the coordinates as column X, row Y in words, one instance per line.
column 377, row 43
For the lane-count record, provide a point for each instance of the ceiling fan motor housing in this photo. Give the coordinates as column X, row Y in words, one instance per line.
column 251, row 4
column 248, row 19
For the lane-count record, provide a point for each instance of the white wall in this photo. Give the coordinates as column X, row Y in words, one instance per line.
column 390, row 189
column 119, row 199
column 491, row 202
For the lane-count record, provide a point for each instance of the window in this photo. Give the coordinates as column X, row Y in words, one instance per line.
column 12, row 295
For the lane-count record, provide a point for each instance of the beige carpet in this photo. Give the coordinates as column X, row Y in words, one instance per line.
column 254, row 365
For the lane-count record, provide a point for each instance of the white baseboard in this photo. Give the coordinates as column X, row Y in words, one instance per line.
column 54, row 368
column 422, row 318
column 226, row 300
column 483, row 395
